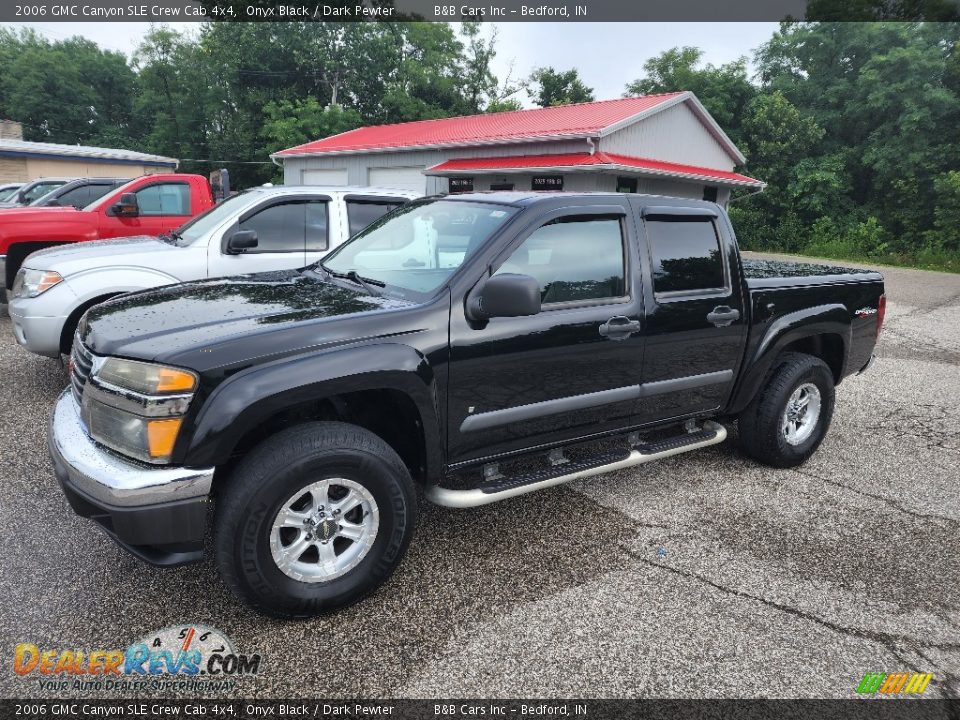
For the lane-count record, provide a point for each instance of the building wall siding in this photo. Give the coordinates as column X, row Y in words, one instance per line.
column 672, row 135
column 53, row 167
column 358, row 166
column 13, row 170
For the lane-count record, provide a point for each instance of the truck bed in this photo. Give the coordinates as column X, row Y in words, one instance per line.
column 762, row 274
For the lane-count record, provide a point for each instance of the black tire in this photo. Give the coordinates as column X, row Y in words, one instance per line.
column 761, row 432
column 270, row 475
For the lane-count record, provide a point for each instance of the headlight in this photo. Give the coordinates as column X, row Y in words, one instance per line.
column 137, row 408
column 146, row 378
column 30, row 283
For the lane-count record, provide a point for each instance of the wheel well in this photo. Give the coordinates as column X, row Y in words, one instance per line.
column 66, row 335
column 18, row 252
column 389, row 414
column 827, row 347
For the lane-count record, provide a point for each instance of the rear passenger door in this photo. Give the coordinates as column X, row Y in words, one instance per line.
column 285, row 228
column 695, row 326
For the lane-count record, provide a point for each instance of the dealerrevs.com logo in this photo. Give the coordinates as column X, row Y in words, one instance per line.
column 894, row 683
column 185, row 657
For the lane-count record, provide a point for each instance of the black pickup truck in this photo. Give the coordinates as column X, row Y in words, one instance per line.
column 477, row 346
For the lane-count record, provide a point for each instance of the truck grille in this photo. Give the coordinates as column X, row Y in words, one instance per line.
column 81, row 362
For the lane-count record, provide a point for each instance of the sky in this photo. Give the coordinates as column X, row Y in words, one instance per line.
column 608, row 55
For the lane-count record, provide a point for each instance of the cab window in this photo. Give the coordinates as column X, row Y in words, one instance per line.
column 164, row 199
column 686, row 256
column 574, row 259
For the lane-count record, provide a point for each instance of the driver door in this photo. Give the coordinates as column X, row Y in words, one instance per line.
column 573, row 369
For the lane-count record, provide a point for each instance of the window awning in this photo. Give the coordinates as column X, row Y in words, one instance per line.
column 597, row 162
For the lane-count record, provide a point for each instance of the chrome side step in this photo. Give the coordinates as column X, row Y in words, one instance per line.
column 638, row 456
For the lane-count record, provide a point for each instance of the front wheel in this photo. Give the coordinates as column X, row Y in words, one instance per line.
column 788, row 419
column 314, row 519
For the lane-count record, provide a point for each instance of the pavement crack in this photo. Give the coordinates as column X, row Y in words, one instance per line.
column 893, row 643
column 882, row 498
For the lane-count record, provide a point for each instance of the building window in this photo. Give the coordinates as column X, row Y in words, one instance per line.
column 626, row 185
column 710, row 193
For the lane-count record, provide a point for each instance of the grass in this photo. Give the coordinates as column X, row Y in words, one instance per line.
column 923, row 259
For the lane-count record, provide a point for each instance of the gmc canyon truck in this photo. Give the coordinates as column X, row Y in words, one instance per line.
column 479, row 346
column 148, row 205
column 268, row 228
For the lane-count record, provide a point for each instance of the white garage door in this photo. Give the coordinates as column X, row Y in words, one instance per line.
column 398, row 178
column 324, row 177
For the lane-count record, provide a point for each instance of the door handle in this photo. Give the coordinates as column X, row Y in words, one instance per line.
column 722, row 315
column 619, row 327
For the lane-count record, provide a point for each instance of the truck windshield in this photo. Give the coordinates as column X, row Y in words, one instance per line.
column 198, row 227
column 419, row 245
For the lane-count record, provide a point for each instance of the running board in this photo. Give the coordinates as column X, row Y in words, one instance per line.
column 711, row 434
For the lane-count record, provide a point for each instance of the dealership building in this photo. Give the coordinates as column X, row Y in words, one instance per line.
column 660, row 144
column 21, row 160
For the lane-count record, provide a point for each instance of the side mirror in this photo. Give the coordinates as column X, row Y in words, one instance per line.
column 241, row 241
column 21, row 198
column 506, row 295
column 126, row 206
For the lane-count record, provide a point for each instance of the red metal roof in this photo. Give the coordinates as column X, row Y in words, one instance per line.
column 580, row 120
column 599, row 160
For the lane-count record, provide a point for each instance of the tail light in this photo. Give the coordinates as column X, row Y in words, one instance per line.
column 881, row 312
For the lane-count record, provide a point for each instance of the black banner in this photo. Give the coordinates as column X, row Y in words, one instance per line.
column 873, row 709
column 546, row 182
column 481, row 10
column 461, row 185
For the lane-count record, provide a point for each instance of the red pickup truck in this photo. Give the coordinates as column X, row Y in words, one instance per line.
column 148, row 205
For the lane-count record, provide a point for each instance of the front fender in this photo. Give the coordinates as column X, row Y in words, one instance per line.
column 97, row 282
column 247, row 399
column 829, row 319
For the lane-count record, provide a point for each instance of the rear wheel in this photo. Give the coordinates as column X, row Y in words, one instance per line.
column 314, row 519
column 789, row 417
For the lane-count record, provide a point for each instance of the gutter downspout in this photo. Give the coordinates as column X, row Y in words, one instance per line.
column 591, row 145
column 749, row 194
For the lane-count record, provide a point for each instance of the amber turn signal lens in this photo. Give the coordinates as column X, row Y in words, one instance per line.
column 161, row 436
column 170, row 380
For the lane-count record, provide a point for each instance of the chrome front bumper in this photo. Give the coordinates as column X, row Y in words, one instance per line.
column 107, row 478
column 159, row 514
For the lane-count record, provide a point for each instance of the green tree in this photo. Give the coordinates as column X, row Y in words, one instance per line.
column 725, row 90
column 294, row 122
column 68, row 91
column 945, row 234
column 548, row 87
column 882, row 92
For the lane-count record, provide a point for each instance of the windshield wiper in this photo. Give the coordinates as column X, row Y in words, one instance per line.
column 170, row 237
column 369, row 284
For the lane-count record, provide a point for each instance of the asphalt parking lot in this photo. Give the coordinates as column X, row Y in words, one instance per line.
column 702, row 576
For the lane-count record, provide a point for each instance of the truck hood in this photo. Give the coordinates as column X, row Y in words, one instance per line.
column 67, row 260
column 228, row 321
column 12, row 211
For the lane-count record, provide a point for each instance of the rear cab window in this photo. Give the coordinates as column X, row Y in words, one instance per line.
column 686, row 256
column 362, row 212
